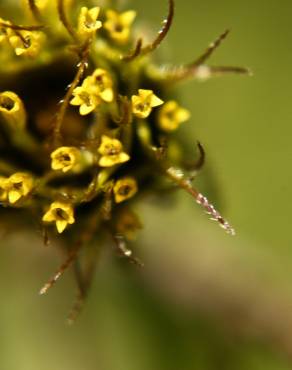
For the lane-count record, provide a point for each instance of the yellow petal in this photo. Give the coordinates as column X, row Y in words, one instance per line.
column 107, row 95
column 61, row 225
column 155, row 101
column 49, row 216
column 86, row 109
column 183, row 115
column 128, row 17
column 13, row 196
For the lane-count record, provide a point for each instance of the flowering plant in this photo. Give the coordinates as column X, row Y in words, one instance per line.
column 88, row 123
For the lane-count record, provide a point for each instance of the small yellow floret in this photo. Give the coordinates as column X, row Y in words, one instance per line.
column 118, row 25
column 65, row 158
column 12, row 110
column 60, row 213
column 87, row 21
column 111, row 151
column 102, row 84
column 26, row 43
column 5, row 32
column 17, row 186
column 171, row 115
column 85, row 97
column 125, row 188
column 143, row 103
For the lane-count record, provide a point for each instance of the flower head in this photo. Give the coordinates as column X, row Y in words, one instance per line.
column 60, row 213
column 87, row 21
column 12, row 110
column 143, row 103
column 102, row 82
column 65, row 158
column 111, row 151
column 26, row 43
column 171, row 115
column 85, row 97
column 125, row 188
column 17, row 186
column 118, row 25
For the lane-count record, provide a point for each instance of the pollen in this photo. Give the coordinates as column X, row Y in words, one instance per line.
column 125, row 188
column 171, row 115
column 143, row 103
column 65, row 158
column 111, row 151
column 118, row 25
column 60, row 213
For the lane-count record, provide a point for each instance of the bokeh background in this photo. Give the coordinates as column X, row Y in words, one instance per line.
column 204, row 301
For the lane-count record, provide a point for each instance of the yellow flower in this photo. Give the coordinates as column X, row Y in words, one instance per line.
column 111, row 151
column 87, row 21
column 125, row 188
column 17, row 186
column 12, row 110
column 26, row 43
column 60, row 213
column 3, row 191
column 102, row 82
column 171, row 115
column 5, row 32
column 65, row 158
column 128, row 224
column 118, row 24
column 143, row 103
column 85, row 97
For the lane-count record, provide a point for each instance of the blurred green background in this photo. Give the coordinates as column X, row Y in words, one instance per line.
column 204, row 301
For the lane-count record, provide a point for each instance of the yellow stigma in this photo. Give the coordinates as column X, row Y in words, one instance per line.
column 125, row 188
column 101, row 82
column 87, row 21
column 111, row 151
column 17, row 186
column 85, row 97
column 26, row 43
column 171, row 115
column 118, row 25
column 143, row 103
column 65, row 158
column 60, row 213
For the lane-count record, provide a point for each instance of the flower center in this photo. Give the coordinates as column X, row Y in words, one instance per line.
column 6, row 103
column 61, row 214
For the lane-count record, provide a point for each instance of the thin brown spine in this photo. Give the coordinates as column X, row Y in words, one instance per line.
column 35, row 10
column 135, row 53
column 163, row 32
column 121, row 245
column 66, row 101
column 17, row 27
column 178, row 177
column 64, row 19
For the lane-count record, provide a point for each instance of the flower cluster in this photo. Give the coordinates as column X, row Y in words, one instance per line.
column 89, row 126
